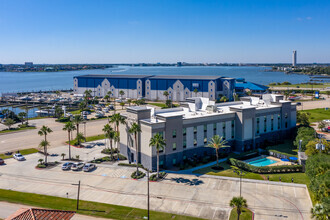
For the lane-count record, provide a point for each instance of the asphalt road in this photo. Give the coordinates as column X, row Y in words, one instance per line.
column 31, row 139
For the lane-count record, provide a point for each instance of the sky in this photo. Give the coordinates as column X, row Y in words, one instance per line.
column 166, row 31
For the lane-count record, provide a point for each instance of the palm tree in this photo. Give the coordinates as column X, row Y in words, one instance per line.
column 195, row 91
column 159, row 143
column 121, row 93
column 116, row 139
column 21, row 116
column 135, row 129
column 69, row 127
column 44, row 131
column 165, row 93
column 122, row 104
column 239, row 203
column 117, row 119
column 80, row 137
column 129, row 101
column 106, row 97
column 77, row 119
column 9, row 122
column 217, row 142
column 88, row 94
column 110, row 134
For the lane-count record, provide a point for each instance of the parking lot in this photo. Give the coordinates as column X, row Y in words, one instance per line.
column 205, row 197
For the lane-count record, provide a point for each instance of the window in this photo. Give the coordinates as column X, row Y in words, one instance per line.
column 286, row 124
column 211, row 84
column 139, row 87
column 224, row 130
column 205, row 128
column 215, row 126
column 232, row 129
column 272, row 123
column 278, row 121
column 174, row 146
column 211, row 90
column 184, row 131
column 174, row 134
column 148, row 87
column 265, row 123
column 195, row 129
column 195, row 142
column 147, row 93
column 211, row 96
column 184, row 157
column 184, row 144
column 174, row 161
column 258, row 125
column 178, row 86
column 161, row 163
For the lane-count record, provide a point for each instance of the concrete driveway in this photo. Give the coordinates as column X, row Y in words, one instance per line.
column 204, row 196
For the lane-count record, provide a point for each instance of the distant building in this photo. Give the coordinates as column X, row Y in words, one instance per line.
column 294, row 58
column 28, row 64
column 152, row 87
column 247, row 124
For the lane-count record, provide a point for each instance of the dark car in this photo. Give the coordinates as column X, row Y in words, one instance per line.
column 2, row 162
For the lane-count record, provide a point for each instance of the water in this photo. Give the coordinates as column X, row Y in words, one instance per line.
column 31, row 112
column 262, row 162
column 36, row 81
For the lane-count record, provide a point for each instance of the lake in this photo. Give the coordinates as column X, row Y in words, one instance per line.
column 36, row 81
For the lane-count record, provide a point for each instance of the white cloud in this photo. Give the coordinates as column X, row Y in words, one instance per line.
column 308, row 18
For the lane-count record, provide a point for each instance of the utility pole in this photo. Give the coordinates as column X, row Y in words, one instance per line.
column 78, row 193
column 148, row 196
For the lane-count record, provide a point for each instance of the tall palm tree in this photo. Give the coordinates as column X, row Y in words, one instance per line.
column 159, row 143
column 80, row 137
column 21, row 116
column 44, row 131
column 117, row 119
column 69, row 127
column 44, row 144
column 165, row 93
column 88, row 94
column 77, row 119
column 135, row 129
column 239, row 203
column 116, row 139
column 217, row 142
column 110, row 134
column 121, row 93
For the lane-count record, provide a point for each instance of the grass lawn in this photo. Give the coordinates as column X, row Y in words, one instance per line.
column 161, row 105
column 287, row 148
column 91, row 138
column 77, row 112
column 85, row 207
column 23, row 152
column 318, row 114
column 302, row 86
column 245, row 215
column 16, row 129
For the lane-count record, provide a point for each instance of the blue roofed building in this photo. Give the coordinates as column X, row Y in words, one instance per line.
column 152, row 87
column 242, row 87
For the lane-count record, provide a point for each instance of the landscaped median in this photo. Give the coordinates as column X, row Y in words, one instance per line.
column 245, row 215
column 23, row 152
column 6, row 131
column 85, row 207
column 88, row 139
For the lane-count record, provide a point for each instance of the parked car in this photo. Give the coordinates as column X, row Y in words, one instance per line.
column 2, row 162
column 111, row 107
column 88, row 167
column 77, row 166
column 19, row 157
column 298, row 103
column 67, row 166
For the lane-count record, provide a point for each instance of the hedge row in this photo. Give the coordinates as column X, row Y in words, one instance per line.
column 265, row 169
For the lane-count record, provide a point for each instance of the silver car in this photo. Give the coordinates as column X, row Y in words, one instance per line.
column 67, row 166
column 88, row 167
column 77, row 166
column 19, row 157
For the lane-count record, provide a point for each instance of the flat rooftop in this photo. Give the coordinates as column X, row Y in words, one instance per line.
column 189, row 77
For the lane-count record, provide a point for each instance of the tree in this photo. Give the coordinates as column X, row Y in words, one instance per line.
column 286, row 93
column 303, row 118
column 129, row 101
column 58, row 112
column 121, row 93
column 69, row 127
column 44, row 131
column 110, row 134
column 319, row 212
column 58, row 93
column 305, row 134
column 223, row 99
column 63, row 155
column 122, row 104
column 195, row 91
column 217, row 142
column 166, row 94
column 26, row 108
column 22, row 116
column 321, row 125
column 311, row 149
column 82, row 105
column 168, row 103
column 44, row 144
column 80, row 138
column 135, row 129
column 159, row 143
column 239, row 203
column 116, row 139
column 9, row 122
column 106, row 97
column 77, row 119
column 88, row 94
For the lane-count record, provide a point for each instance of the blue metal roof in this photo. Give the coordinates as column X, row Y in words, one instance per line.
column 251, row 86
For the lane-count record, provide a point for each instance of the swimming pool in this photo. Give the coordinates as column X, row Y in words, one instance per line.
column 262, row 162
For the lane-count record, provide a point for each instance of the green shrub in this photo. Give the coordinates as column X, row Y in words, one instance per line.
column 153, row 177
column 63, row 119
column 108, row 151
column 41, row 166
column 138, row 175
column 266, row 169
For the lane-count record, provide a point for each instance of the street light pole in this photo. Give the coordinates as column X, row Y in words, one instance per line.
column 148, row 196
column 78, row 193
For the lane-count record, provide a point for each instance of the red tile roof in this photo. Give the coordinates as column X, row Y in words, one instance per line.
column 41, row 214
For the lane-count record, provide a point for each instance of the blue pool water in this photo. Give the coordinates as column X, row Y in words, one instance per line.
column 262, row 162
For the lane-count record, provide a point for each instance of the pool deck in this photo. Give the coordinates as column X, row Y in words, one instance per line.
column 279, row 161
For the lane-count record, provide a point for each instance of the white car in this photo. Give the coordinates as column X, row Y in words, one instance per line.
column 19, row 157
column 88, row 167
column 77, row 166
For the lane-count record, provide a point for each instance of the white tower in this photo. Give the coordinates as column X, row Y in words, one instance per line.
column 294, row 58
